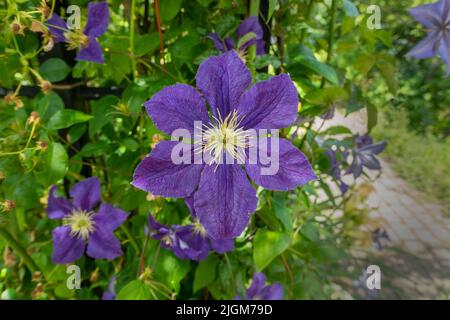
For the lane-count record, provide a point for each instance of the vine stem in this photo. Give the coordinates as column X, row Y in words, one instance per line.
column 331, row 26
column 17, row 247
column 253, row 11
column 130, row 237
column 132, row 28
column 161, row 36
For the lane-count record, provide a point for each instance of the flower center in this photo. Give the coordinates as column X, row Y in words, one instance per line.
column 225, row 137
column 198, row 228
column 81, row 223
column 76, row 39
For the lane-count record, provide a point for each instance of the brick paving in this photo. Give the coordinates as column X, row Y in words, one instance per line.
column 416, row 263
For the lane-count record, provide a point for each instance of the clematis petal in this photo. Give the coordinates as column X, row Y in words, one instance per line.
column 426, row 48
column 218, row 42
column 229, row 43
column 158, row 174
column 66, row 249
column 444, row 9
column 222, row 245
column 293, row 167
column 103, row 244
column 57, row 27
column 189, row 201
column 190, row 245
column 270, row 104
column 97, row 20
column 374, row 148
column 177, row 107
column 444, row 49
column 93, row 52
column 427, row 14
column 251, row 24
column 224, row 201
column 273, row 292
column 222, row 80
column 57, row 207
column 109, row 217
column 258, row 283
column 86, row 194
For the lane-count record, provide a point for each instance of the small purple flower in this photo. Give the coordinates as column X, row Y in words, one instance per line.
column 258, row 290
column 435, row 17
column 81, row 224
column 380, row 237
column 85, row 41
column 335, row 169
column 190, row 241
column 223, row 197
column 248, row 26
column 110, row 293
column 364, row 155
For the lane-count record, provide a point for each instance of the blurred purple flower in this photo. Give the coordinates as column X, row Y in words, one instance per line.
column 249, row 25
column 85, row 41
column 81, row 224
column 258, row 289
column 110, row 293
column 380, row 237
column 335, row 169
column 364, row 155
column 223, row 196
column 435, row 17
column 190, row 241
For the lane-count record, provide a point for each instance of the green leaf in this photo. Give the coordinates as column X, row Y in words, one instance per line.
column 66, row 118
column 143, row 44
column 372, row 116
column 54, row 69
column 319, row 68
column 57, row 162
column 282, row 210
column 205, row 272
column 272, row 5
column 387, row 70
column 309, row 230
column 101, row 112
column 267, row 246
column 134, row 290
column 168, row 9
column 327, row 96
column 336, row 130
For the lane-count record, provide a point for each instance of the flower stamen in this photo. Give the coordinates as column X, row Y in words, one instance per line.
column 81, row 223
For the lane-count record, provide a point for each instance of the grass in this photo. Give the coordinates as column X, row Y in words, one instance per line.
column 422, row 160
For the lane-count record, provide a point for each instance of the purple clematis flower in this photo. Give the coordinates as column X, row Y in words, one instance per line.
column 110, row 293
column 190, row 241
column 81, row 224
column 248, row 26
column 335, row 169
column 259, row 291
column 223, row 196
column 435, row 17
column 364, row 155
column 85, row 41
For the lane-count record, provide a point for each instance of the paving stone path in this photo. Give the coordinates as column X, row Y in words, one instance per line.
column 416, row 263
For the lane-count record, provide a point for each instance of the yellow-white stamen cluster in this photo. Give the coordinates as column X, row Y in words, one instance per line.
column 81, row 223
column 224, row 137
column 76, row 39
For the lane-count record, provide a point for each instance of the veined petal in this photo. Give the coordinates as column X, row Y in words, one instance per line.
column 57, row 207
column 222, row 80
column 444, row 49
column 93, row 52
column 293, row 167
column 158, row 174
column 86, row 194
column 444, row 9
column 222, row 245
column 251, row 24
column 428, row 15
column 109, row 217
column 218, row 42
column 224, row 201
column 270, row 104
column 97, row 20
column 177, row 107
column 103, row 244
column 57, row 27
column 426, row 48
column 66, row 249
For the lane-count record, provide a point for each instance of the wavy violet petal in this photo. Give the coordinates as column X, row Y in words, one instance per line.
column 222, row 80
column 218, row 42
column 294, row 168
column 189, row 201
column 109, row 217
column 66, row 249
column 273, row 292
column 159, row 175
column 444, row 9
column 428, row 15
column 224, row 201
column 57, row 207
column 57, row 27
column 86, row 194
column 97, row 20
column 270, row 104
column 103, row 244
column 374, row 148
column 110, row 293
column 251, row 24
column 258, row 282
column 222, row 245
column 427, row 47
column 444, row 49
column 93, row 52
column 190, row 245
column 229, row 43
column 177, row 107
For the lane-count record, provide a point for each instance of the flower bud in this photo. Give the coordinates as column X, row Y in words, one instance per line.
column 17, row 28
column 41, row 145
column 8, row 205
column 9, row 258
column 44, row 9
column 34, row 118
column 37, row 26
column 46, row 86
